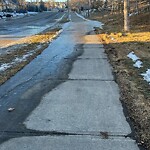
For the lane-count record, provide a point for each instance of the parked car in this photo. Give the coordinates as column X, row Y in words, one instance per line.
column 8, row 15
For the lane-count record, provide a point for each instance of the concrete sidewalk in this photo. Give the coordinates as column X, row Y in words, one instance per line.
column 84, row 111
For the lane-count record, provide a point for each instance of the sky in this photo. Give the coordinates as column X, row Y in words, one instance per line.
column 60, row 0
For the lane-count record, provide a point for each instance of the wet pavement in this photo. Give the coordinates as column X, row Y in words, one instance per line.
column 66, row 98
column 14, row 29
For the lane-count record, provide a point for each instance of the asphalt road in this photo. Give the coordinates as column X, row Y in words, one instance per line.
column 14, row 28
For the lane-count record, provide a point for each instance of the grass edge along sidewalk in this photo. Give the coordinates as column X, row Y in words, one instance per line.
column 135, row 93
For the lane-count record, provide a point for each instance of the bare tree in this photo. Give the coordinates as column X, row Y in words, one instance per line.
column 137, row 6
column 126, row 15
column 105, row 3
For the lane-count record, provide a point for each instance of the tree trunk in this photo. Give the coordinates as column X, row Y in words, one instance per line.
column 137, row 6
column 105, row 3
column 126, row 16
column 112, row 7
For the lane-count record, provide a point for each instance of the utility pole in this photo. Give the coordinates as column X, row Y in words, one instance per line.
column 126, row 16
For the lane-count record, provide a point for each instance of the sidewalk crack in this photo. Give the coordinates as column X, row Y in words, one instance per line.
column 102, row 135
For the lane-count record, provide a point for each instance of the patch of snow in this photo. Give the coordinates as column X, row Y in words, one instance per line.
column 39, row 46
column 55, row 10
column 133, row 14
column 112, row 38
column 5, row 66
column 32, row 13
column 18, row 59
column 1, row 13
column 23, row 58
column 96, row 23
column 138, row 64
column 133, row 56
column 69, row 17
column 18, row 14
column 94, row 10
column 81, row 16
column 92, row 22
column 146, row 75
column 60, row 18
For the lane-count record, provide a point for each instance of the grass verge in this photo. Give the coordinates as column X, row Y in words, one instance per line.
column 31, row 46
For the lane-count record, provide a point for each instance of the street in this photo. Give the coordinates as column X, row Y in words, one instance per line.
column 12, row 29
column 66, row 98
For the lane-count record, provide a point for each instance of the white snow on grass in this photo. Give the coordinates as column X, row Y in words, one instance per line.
column 92, row 22
column 133, row 56
column 132, row 14
column 6, row 66
column 81, row 16
column 146, row 75
column 60, row 18
column 18, row 14
column 32, row 13
column 96, row 23
column 138, row 64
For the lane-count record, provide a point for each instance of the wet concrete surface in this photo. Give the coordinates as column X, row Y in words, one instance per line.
column 25, row 90
column 14, row 29
column 59, row 111
column 69, row 143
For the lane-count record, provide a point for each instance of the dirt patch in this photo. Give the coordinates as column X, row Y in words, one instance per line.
column 21, row 52
column 134, row 90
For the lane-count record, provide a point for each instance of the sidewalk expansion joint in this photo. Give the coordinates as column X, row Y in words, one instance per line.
column 63, row 79
column 102, row 135
column 85, row 46
column 86, row 58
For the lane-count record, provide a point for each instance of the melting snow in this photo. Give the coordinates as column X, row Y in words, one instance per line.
column 32, row 13
column 133, row 14
column 60, row 18
column 135, row 59
column 146, row 75
column 81, row 17
column 96, row 23
column 133, row 56
column 3, row 67
column 16, row 15
column 92, row 22
column 138, row 64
